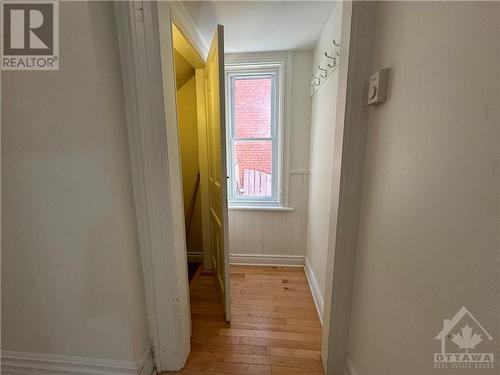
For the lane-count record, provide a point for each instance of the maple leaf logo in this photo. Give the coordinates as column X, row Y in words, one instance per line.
column 466, row 340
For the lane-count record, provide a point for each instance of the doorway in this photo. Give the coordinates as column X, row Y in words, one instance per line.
column 201, row 133
column 186, row 61
column 145, row 35
column 274, row 324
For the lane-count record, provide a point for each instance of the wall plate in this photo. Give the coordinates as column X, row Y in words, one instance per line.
column 377, row 87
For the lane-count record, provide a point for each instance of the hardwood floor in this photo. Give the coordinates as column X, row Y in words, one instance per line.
column 274, row 327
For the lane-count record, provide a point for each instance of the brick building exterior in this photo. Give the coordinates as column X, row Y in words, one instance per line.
column 252, row 111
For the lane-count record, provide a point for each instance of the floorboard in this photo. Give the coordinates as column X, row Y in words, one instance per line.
column 274, row 326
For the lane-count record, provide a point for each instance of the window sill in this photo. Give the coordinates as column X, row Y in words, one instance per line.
column 259, row 208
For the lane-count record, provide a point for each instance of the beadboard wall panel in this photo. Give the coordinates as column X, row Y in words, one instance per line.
column 283, row 233
column 273, row 232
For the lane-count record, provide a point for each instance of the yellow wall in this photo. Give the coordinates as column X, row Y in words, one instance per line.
column 188, row 134
column 183, row 70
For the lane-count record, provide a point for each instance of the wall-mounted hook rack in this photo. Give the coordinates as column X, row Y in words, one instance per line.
column 323, row 73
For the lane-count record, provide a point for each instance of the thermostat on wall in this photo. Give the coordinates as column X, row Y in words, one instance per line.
column 377, row 87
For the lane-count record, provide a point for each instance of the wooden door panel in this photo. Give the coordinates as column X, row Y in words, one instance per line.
column 217, row 174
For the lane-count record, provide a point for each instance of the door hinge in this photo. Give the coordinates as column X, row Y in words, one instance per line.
column 138, row 11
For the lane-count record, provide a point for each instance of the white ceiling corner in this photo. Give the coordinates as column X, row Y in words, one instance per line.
column 259, row 26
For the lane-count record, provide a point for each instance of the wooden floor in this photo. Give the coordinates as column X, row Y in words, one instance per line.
column 274, row 326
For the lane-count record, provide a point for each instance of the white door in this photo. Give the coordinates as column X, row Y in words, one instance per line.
column 217, row 173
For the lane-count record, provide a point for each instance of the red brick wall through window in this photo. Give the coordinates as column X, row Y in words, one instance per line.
column 252, row 111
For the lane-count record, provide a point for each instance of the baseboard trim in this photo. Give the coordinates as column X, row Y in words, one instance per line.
column 313, row 285
column 195, row 256
column 349, row 368
column 267, row 260
column 146, row 365
column 24, row 363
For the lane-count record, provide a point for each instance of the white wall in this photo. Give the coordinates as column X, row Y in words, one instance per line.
column 429, row 227
column 71, row 273
column 321, row 159
column 273, row 232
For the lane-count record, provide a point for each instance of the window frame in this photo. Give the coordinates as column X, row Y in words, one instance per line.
column 252, row 69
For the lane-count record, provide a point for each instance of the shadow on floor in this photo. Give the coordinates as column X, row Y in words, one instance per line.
column 192, row 268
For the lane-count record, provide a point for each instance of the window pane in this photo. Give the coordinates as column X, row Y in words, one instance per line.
column 252, row 107
column 253, row 169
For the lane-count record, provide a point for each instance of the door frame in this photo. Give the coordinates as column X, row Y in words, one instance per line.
column 186, row 25
column 150, row 103
column 357, row 39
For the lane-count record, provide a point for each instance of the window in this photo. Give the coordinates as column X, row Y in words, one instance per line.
column 254, row 136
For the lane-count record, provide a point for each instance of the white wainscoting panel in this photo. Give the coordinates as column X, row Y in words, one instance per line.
column 267, row 260
column 23, row 363
column 273, row 232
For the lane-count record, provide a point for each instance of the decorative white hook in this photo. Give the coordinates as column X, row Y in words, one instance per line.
column 325, row 72
column 334, row 60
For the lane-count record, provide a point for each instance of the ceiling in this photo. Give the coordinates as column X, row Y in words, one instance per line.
column 258, row 26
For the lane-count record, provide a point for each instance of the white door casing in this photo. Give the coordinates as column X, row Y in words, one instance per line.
column 145, row 41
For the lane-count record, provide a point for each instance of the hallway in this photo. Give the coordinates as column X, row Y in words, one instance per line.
column 274, row 329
